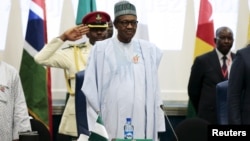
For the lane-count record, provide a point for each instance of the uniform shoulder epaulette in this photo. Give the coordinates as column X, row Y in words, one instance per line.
column 81, row 45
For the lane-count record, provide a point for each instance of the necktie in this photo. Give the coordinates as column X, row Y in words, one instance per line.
column 224, row 67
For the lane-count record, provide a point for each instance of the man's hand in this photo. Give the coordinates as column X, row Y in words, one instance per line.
column 75, row 33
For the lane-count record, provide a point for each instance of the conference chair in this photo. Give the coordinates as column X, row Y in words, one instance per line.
column 192, row 129
column 221, row 102
column 39, row 132
column 28, row 136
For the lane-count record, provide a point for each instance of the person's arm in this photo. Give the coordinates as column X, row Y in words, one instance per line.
column 236, row 86
column 194, row 84
column 20, row 114
column 74, row 33
column 51, row 56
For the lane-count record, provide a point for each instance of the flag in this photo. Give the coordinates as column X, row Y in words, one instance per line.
column 204, row 41
column 99, row 133
column 35, row 78
column 248, row 34
column 67, row 16
column 205, row 30
column 84, row 7
column 81, row 107
column 13, row 50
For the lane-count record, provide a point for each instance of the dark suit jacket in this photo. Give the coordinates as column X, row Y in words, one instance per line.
column 239, row 88
column 205, row 74
column 221, row 102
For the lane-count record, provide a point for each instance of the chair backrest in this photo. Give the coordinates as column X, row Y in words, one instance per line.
column 43, row 131
column 28, row 136
column 221, row 102
column 192, row 129
column 81, row 105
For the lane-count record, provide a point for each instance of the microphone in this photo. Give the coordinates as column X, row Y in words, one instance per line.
column 170, row 124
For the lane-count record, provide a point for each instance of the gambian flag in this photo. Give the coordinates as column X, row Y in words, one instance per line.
column 36, row 78
column 84, row 7
column 204, row 41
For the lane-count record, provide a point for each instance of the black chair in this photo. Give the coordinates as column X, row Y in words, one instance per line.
column 42, row 130
column 221, row 102
column 192, row 129
column 28, row 136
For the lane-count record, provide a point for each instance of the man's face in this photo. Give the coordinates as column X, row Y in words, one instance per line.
column 224, row 41
column 97, row 34
column 126, row 26
column 110, row 29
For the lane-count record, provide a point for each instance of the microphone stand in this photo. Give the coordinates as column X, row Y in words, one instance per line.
column 171, row 126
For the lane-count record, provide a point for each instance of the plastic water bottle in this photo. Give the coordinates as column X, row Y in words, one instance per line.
column 128, row 129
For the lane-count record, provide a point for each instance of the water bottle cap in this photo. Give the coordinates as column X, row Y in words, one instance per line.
column 128, row 119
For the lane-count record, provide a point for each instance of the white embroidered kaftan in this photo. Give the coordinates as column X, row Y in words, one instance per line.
column 14, row 116
column 121, row 80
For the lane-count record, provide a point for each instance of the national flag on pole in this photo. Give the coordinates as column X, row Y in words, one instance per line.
column 36, row 78
column 84, row 7
column 67, row 16
column 13, row 50
column 204, row 41
column 81, row 108
column 99, row 133
column 205, row 31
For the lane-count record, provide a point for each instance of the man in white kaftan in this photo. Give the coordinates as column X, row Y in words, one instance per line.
column 121, row 80
column 118, row 87
column 14, row 115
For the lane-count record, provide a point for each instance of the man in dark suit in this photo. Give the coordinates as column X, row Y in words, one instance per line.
column 206, row 72
column 239, row 88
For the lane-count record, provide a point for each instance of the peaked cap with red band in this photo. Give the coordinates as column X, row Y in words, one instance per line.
column 96, row 19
